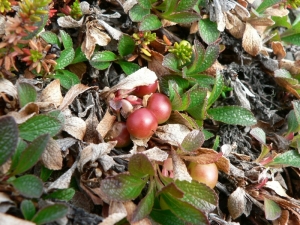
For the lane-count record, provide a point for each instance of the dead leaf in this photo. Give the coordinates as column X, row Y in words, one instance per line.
column 276, row 11
column 237, row 203
column 283, row 219
column 130, row 208
column 69, row 22
column 278, row 50
column 116, row 34
column 11, row 220
column 94, row 152
column 75, row 126
column 292, row 66
column 203, row 158
column 179, row 168
column 275, row 186
column 64, row 180
column 91, row 134
column 117, row 212
column 28, row 111
column 52, row 157
column 235, row 26
column 106, row 124
column 127, row 5
column 52, row 93
column 72, row 94
column 79, row 69
column 156, row 154
column 252, row 42
column 94, row 35
column 143, row 76
column 261, row 21
column 156, row 64
column 8, row 94
column 5, row 202
column 172, row 133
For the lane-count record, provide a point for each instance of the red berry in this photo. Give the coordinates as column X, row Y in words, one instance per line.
column 160, row 106
column 141, row 123
column 204, row 173
column 140, row 91
column 119, row 133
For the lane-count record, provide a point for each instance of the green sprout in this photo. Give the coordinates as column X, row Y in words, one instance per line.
column 144, row 38
column 76, row 12
column 35, row 55
column 182, row 51
column 294, row 3
column 5, row 6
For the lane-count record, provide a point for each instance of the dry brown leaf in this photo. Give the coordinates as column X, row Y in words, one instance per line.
column 283, row 219
column 28, row 111
column 292, row 66
column 79, row 69
column 117, row 212
column 235, row 26
column 94, row 152
column 64, row 180
column 91, row 134
column 94, row 35
column 241, row 11
column 203, row 158
column 8, row 94
column 252, row 42
column 116, row 34
column 5, row 202
column 275, row 11
column 52, row 93
column 130, row 208
column 275, row 186
column 156, row 64
column 179, row 168
column 69, row 22
column 106, row 124
column 143, row 76
column 237, row 203
column 261, row 21
column 212, row 70
column 92, row 194
column 172, row 133
column 128, row 5
column 72, row 94
column 52, row 157
column 156, row 154
column 75, row 126
column 7, row 219
column 278, row 50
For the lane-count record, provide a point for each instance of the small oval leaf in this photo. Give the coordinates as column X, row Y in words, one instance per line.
column 50, row 213
column 29, row 186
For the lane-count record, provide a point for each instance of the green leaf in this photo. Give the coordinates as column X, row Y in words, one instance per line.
column 122, row 187
column 293, row 125
column 28, row 185
column 104, row 56
column 67, row 79
column 57, row 114
column 289, row 158
column 8, row 138
column 179, row 80
column 259, row 135
column 198, row 102
column 40, row 24
column 184, row 210
column 50, row 38
column 176, row 101
column 22, row 145
column 126, row 45
column 79, row 56
column 211, row 54
column 66, row 39
column 292, row 39
column 182, row 17
column 145, row 205
column 235, row 115
column 31, row 155
column 100, row 65
column 208, row 31
column 193, row 141
column 199, row 53
column 128, row 67
column 137, row 13
column 204, row 81
column 50, row 213
column 216, row 91
column 198, row 194
column 170, row 61
column 140, row 166
column 184, row 5
column 45, row 173
column 171, row 189
column 165, row 217
column 28, row 209
column 146, row 4
column 283, row 21
column 65, row 59
column 26, row 93
column 272, row 209
column 266, row 4
column 38, row 125
column 62, row 194
column 150, row 22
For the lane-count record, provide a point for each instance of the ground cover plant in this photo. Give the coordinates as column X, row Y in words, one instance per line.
column 149, row 112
